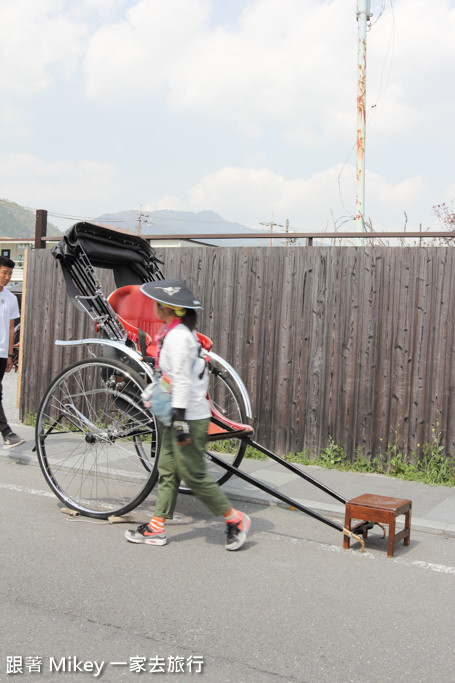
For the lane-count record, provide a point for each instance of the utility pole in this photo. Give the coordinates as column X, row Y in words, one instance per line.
column 289, row 241
column 363, row 16
column 271, row 225
column 142, row 218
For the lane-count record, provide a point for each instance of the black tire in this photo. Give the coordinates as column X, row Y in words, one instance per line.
column 97, row 445
column 226, row 396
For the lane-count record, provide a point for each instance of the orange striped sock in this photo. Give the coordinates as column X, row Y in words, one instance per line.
column 156, row 525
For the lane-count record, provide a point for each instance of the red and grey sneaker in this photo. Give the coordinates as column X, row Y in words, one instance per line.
column 145, row 534
column 237, row 532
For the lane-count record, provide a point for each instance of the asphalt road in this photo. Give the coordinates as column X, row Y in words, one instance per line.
column 292, row 606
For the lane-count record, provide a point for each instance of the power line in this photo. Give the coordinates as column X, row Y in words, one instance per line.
column 54, row 214
column 390, row 49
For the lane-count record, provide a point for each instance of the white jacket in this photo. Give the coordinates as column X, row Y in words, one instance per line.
column 179, row 358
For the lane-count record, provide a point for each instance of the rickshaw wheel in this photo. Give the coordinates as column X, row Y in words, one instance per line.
column 97, row 445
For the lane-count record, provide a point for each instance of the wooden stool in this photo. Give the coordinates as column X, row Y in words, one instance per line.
column 381, row 509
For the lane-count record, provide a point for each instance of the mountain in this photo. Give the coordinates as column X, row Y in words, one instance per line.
column 15, row 221
column 167, row 222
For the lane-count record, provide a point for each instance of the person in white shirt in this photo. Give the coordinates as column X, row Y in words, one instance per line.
column 183, row 442
column 9, row 311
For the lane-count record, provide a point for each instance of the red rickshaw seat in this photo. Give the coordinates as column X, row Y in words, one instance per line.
column 135, row 310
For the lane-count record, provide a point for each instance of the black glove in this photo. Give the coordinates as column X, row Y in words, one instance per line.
column 180, row 427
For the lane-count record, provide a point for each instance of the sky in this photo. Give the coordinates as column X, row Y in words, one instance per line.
column 243, row 107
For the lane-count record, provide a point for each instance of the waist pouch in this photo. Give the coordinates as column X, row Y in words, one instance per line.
column 158, row 397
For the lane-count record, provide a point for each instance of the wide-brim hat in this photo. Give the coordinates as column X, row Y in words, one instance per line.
column 172, row 292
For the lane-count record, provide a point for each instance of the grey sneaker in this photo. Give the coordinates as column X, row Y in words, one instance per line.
column 144, row 534
column 236, row 533
column 12, row 440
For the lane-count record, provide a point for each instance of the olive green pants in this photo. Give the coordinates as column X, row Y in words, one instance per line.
column 186, row 463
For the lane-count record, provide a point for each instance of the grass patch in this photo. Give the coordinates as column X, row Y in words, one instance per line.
column 29, row 420
column 428, row 464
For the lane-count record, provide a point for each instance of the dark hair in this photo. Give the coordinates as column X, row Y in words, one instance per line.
column 190, row 319
column 6, row 262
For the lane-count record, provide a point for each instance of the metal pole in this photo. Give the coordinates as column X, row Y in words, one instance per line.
column 363, row 15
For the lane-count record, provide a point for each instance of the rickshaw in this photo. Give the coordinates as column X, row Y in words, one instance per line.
column 97, row 444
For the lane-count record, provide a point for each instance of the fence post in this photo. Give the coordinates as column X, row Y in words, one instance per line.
column 40, row 228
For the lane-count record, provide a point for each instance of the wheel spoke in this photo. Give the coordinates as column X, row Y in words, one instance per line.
column 97, row 445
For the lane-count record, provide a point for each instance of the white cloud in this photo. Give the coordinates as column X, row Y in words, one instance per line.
column 14, row 123
column 80, row 187
column 411, row 66
column 291, row 63
column 273, row 66
column 256, row 192
column 104, row 7
column 394, row 196
column 254, row 196
column 259, row 195
column 38, row 40
column 135, row 56
column 170, row 202
column 288, row 62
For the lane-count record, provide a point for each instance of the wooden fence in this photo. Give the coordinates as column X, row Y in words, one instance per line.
column 353, row 343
